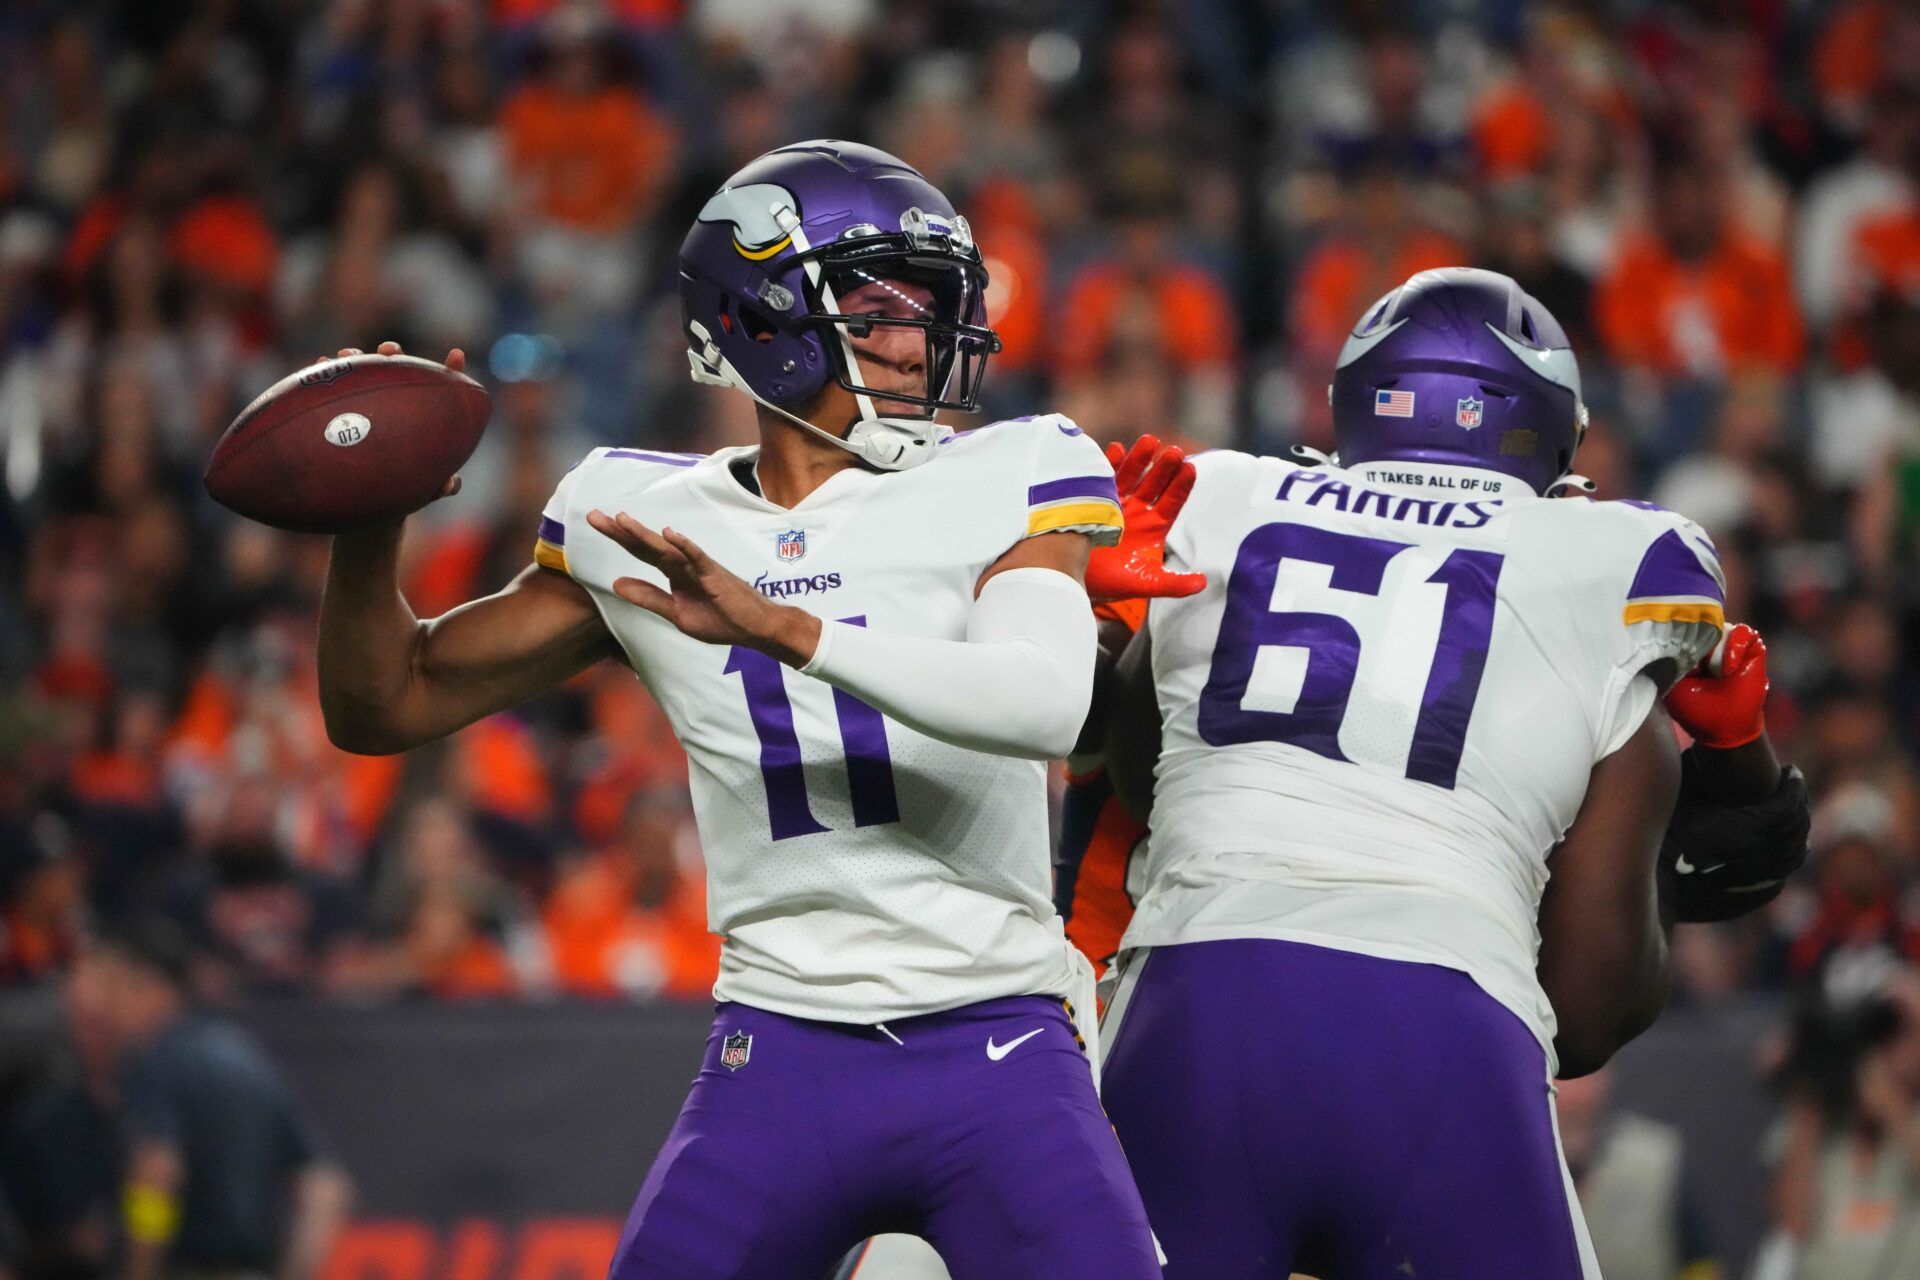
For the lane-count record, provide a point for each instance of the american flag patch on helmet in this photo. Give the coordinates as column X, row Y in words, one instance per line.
column 1393, row 404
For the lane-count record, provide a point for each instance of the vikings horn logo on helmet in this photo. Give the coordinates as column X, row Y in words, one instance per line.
column 754, row 210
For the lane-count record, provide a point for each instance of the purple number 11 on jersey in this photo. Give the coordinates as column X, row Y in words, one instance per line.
column 863, row 736
column 1333, row 646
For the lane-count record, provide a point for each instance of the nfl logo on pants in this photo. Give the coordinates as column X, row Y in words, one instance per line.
column 735, row 1049
column 792, row 544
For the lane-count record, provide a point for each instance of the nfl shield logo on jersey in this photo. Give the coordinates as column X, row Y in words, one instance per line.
column 792, row 544
column 1467, row 412
column 735, row 1049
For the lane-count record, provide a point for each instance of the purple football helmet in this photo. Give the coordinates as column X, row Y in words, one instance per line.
column 1460, row 366
column 771, row 254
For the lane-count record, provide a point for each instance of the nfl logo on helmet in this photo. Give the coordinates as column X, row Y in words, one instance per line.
column 735, row 1050
column 792, row 544
column 1467, row 412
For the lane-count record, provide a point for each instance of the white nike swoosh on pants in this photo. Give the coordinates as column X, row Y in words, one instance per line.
column 999, row 1051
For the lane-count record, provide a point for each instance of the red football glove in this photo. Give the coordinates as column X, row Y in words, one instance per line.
column 1154, row 481
column 1722, row 702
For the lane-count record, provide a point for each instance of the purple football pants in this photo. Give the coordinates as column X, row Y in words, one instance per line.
column 1293, row 1108
column 828, row 1133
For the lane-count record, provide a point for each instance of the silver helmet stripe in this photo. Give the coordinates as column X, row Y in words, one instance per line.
column 1556, row 364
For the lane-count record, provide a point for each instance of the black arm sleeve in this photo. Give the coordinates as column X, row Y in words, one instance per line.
column 1133, row 727
column 1079, row 816
column 1726, row 860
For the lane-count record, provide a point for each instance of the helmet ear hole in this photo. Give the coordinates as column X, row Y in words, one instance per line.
column 757, row 325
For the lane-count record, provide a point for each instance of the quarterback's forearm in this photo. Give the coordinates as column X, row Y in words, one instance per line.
column 368, row 635
column 389, row 681
column 1018, row 685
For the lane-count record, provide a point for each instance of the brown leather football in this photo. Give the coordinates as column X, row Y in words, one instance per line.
column 348, row 442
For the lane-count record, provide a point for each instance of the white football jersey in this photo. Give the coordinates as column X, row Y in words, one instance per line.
column 857, row 870
column 1382, row 713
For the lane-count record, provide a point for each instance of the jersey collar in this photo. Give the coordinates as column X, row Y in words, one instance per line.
column 719, row 485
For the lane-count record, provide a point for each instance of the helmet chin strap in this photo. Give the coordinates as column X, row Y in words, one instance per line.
column 886, row 444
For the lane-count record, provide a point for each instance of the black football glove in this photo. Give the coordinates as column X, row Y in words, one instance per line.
column 1727, row 860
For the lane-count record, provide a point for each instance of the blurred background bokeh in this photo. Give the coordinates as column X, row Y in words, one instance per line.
column 1184, row 206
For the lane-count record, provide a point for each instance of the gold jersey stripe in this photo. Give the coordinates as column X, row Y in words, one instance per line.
column 1693, row 611
column 1049, row 518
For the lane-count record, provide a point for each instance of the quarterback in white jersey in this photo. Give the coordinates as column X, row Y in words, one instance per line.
column 858, row 870
column 869, row 633
column 1414, row 692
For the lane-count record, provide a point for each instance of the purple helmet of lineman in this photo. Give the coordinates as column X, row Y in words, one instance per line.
column 1460, row 366
column 776, row 248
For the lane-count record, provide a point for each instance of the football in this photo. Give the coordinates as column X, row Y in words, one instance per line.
column 348, row 442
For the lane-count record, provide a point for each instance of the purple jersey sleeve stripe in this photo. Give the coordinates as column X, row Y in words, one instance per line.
column 670, row 459
column 1672, row 568
column 1073, row 487
column 553, row 531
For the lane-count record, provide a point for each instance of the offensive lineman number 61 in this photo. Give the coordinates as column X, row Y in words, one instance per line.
column 1332, row 646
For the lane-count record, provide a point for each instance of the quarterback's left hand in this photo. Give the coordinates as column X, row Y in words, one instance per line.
column 1722, row 702
column 1154, row 481
column 705, row 600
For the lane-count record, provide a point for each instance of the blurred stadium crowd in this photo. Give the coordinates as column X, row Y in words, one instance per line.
column 1184, row 207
